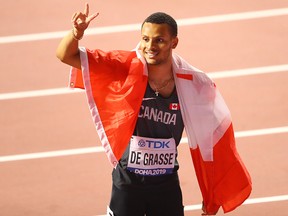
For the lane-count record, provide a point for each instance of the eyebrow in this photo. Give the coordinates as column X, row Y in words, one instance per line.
column 158, row 36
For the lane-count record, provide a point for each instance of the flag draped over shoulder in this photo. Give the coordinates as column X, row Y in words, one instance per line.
column 115, row 84
column 222, row 176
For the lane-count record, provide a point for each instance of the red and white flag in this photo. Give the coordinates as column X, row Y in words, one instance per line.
column 174, row 106
column 115, row 91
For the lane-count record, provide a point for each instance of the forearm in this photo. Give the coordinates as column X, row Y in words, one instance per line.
column 68, row 51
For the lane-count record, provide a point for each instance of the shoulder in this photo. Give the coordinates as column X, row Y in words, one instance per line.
column 181, row 66
column 112, row 54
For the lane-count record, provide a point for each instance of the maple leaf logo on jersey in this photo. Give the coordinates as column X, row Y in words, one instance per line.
column 174, row 106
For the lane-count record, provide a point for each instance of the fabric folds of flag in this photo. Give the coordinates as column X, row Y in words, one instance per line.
column 222, row 176
column 224, row 181
column 115, row 84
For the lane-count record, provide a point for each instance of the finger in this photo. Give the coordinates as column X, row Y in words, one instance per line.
column 86, row 11
column 73, row 17
column 92, row 17
column 76, row 16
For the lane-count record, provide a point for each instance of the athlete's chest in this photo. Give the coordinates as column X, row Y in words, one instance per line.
column 160, row 109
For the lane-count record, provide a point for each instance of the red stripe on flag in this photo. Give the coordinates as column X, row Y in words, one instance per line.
column 224, row 181
column 185, row 76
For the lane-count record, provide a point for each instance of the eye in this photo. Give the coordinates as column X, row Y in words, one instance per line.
column 146, row 39
column 160, row 40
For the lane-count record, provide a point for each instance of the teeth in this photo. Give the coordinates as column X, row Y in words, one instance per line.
column 151, row 54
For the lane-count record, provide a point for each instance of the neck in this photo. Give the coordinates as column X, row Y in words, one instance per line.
column 158, row 73
column 161, row 80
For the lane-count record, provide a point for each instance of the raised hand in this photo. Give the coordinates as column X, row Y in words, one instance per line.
column 68, row 50
column 81, row 20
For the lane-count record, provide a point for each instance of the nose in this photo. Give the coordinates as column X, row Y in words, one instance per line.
column 150, row 45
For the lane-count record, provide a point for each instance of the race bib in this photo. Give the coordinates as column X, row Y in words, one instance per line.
column 151, row 157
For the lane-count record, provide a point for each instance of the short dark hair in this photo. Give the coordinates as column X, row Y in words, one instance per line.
column 163, row 18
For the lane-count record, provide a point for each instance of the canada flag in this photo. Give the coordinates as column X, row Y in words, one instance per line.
column 174, row 106
column 115, row 84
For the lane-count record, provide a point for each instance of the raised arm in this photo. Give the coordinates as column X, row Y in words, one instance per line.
column 67, row 50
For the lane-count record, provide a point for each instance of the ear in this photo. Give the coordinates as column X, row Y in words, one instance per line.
column 175, row 42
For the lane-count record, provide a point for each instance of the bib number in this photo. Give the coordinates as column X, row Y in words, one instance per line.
column 152, row 157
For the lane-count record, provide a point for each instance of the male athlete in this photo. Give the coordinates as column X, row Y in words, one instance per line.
column 140, row 102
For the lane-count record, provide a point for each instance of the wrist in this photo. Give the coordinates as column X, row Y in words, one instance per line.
column 76, row 35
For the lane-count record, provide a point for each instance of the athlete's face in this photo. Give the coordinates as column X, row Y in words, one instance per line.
column 157, row 43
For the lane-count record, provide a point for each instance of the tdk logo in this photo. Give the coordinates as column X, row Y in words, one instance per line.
column 153, row 144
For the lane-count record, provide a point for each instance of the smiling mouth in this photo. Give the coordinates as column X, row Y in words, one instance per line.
column 151, row 54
